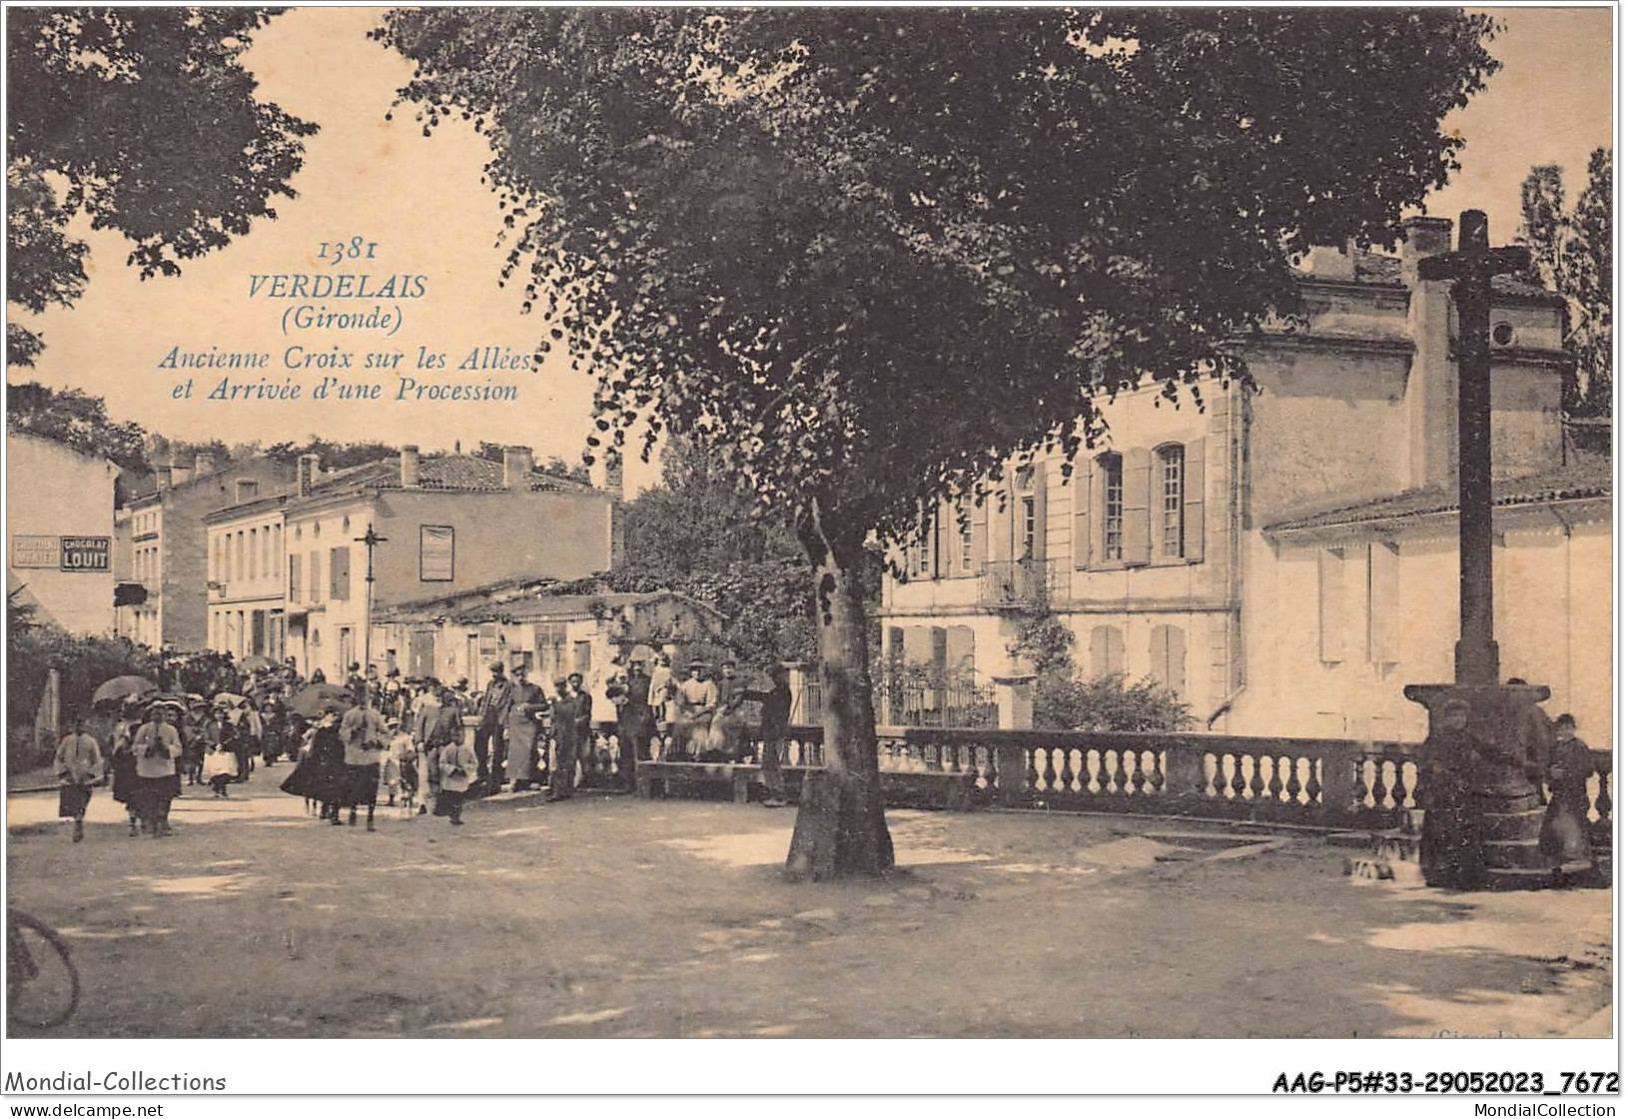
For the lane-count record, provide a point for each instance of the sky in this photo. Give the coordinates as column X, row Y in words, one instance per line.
column 421, row 201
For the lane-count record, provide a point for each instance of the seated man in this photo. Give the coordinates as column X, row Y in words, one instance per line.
column 696, row 706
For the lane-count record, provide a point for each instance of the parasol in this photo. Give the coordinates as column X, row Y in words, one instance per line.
column 119, row 687
column 229, row 699
column 319, row 699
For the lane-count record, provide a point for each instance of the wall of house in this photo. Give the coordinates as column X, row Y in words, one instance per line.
column 1396, row 627
column 56, row 491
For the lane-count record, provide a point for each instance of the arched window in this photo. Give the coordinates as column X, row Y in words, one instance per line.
column 1171, row 505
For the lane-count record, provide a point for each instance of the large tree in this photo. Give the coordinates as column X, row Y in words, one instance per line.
column 1573, row 252
column 868, row 254
column 144, row 121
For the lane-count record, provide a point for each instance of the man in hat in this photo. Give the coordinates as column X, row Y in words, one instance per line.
column 567, row 738
column 634, row 718
column 774, row 729
column 492, row 712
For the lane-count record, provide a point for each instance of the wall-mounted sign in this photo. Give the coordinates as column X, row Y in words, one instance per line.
column 87, row 553
column 36, row 551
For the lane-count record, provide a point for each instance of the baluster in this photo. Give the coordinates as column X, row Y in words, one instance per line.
column 1605, row 801
column 1137, row 778
column 1119, row 774
column 953, row 758
column 1255, row 785
column 1361, row 788
column 1031, row 776
column 1399, row 792
column 1293, row 786
column 1379, row 786
column 1067, row 772
column 1276, row 784
column 1313, row 788
column 1049, row 768
column 1220, row 786
column 1238, row 784
column 1103, row 777
column 1157, row 776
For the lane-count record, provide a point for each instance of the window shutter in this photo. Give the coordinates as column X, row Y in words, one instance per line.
column 339, row 573
column 1001, row 513
column 294, row 587
column 978, row 537
column 1176, row 660
column 947, row 540
column 1331, row 605
column 1168, row 658
column 315, row 576
column 1384, row 603
column 1083, row 496
column 1040, row 514
column 1137, row 506
column 1105, row 651
column 1195, row 491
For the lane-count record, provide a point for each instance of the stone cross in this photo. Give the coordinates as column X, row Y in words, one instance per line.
column 1472, row 266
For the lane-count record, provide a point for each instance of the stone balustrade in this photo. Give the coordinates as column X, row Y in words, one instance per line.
column 1325, row 782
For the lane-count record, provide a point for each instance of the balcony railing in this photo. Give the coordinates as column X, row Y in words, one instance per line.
column 1007, row 584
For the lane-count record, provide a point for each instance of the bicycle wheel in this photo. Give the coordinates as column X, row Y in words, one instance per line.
column 42, row 985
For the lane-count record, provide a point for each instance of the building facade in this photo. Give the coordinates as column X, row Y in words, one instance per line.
column 246, row 564
column 59, row 518
column 439, row 525
column 1194, row 548
column 162, row 545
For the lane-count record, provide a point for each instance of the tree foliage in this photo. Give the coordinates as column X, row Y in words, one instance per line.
column 79, row 420
column 1063, row 701
column 1572, row 250
column 700, row 534
column 872, row 252
column 144, row 121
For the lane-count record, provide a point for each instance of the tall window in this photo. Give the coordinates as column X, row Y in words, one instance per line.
column 253, row 553
column 1111, row 470
column 922, row 551
column 1029, row 527
column 965, row 548
column 1172, row 462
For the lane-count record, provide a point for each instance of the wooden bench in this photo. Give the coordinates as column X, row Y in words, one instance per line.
column 923, row 789
column 656, row 778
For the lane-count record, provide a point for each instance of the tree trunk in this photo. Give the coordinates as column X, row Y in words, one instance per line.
column 841, row 822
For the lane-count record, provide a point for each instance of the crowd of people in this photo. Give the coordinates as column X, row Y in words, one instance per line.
column 403, row 739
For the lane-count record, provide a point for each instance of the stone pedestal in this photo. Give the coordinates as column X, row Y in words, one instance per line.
column 1505, row 782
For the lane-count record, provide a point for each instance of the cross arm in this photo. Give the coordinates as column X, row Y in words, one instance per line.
column 1474, row 262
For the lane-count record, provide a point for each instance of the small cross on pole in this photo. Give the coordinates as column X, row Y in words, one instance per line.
column 1471, row 268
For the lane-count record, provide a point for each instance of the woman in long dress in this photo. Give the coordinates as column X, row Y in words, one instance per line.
column 125, row 783
column 1452, row 851
column 1565, row 833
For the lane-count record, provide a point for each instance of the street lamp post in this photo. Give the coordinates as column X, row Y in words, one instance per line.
column 371, row 540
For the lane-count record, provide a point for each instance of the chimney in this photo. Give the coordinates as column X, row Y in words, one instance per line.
column 615, row 476
column 517, row 464
column 409, row 466
column 164, row 474
column 310, row 469
column 202, row 465
column 1430, row 389
column 247, row 490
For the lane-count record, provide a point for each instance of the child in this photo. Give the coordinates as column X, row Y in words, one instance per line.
column 220, row 768
column 78, row 766
column 457, row 762
column 401, row 764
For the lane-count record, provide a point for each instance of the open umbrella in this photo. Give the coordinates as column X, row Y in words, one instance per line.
column 229, row 699
column 256, row 662
column 319, row 699
column 120, row 686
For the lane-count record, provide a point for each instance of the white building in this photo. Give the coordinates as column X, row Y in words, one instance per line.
column 246, row 564
column 59, row 517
